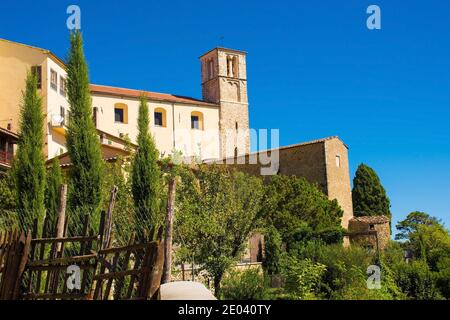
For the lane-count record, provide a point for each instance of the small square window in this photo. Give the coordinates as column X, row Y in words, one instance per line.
column 118, row 115
column 53, row 79
column 372, row 227
column 158, row 119
column 195, row 124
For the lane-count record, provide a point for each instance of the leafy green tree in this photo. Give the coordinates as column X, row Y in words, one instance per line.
column 29, row 164
column 146, row 177
column 412, row 222
column 300, row 211
column 428, row 277
column 216, row 214
column 426, row 237
column 86, row 173
column 368, row 195
column 54, row 181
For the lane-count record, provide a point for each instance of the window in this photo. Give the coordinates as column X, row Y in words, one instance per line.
column 160, row 117
column 194, row 122
column 338, row 161
column 232, row 66
column 118, row 115
column 53, row 79
column 197, row 120
column 121, row 113
column 62, row 86
column 94, row 116
column 62, row 113
column 371, row 227
column 37, row 72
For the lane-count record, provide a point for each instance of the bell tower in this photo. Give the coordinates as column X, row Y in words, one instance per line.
column 224, row 82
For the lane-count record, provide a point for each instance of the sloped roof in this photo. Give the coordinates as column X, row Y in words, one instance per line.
column 371, row 219
column 132, row 93
column 282, row 148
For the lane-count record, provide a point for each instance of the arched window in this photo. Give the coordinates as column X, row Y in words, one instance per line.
column 160, row 117
column 121, row 113
column 197, row 120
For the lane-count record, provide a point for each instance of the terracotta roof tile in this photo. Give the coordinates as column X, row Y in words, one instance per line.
column 150, row 95
column 372, row 219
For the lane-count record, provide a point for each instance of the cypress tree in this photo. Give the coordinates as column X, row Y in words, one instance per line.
column 54, row 181
column 29, row 164
column 84, row 194
column 146, row 177
column 369, row 196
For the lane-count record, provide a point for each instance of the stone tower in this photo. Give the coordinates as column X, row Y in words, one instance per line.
column 224, row 82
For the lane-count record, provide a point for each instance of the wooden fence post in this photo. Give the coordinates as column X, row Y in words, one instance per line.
column 108, row 218
column 167, row 273
column 16, row 259
column 60, row 225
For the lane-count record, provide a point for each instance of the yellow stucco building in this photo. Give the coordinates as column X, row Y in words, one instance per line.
column 205, row 129
column 213, row 128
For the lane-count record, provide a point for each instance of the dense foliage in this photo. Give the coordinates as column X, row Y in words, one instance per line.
column 8, row 203
column 369, row 196
column 86, row 173
column 300, row 211
column 29, row 163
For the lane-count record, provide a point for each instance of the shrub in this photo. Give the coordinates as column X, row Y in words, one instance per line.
column 249, row 284
column 417, row 281
column 302, row 277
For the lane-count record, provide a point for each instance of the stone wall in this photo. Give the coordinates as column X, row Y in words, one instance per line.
column 316, row 162
column 364, row 231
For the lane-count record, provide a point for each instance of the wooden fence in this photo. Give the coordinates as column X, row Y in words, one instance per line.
column 46, row 268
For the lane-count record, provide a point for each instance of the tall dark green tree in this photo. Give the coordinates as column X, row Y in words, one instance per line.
column 29, row 165
column 146, row 177
column 54, row 181
column 369, row 196
column 85, row 194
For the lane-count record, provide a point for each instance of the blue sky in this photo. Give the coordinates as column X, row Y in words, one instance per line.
column 314, row 70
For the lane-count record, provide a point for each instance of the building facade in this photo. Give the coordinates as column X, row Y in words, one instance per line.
column 210, row 129
column 194, row 127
